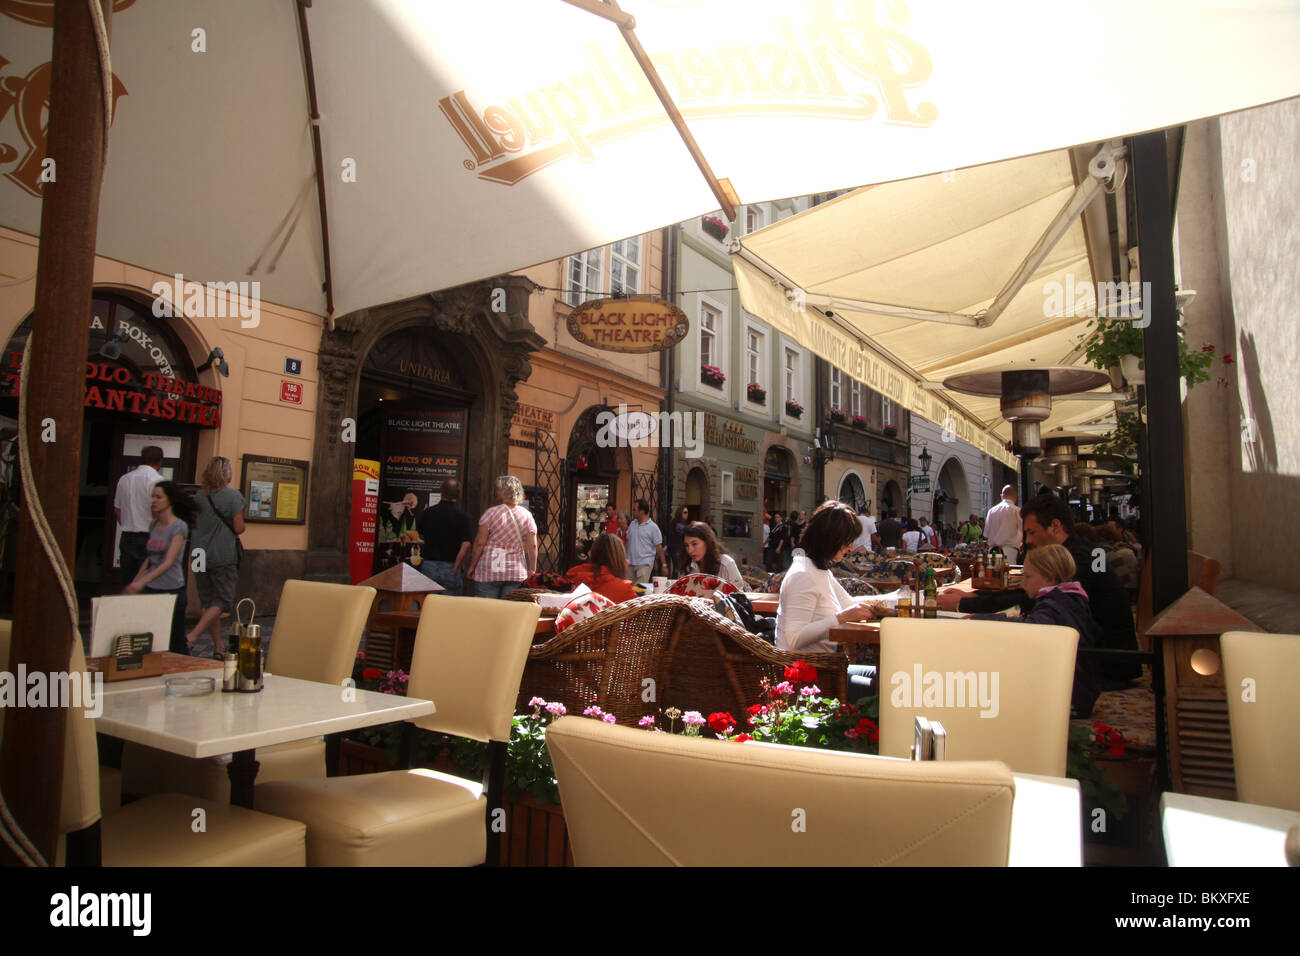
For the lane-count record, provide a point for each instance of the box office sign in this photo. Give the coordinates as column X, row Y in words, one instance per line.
column 529, row 419
column 638, row 324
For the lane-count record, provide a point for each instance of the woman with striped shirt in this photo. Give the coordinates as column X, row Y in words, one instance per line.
column 505, row 549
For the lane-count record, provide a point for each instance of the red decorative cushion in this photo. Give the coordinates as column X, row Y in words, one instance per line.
column 700, row 585
column 580, row 609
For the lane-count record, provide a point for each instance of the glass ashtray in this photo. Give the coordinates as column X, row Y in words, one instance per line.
column 190, row 686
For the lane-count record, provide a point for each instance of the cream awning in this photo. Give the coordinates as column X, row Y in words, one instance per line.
column 910, row 271
column 462, row 140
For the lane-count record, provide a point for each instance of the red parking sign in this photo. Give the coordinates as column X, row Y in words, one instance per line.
column 291, row 392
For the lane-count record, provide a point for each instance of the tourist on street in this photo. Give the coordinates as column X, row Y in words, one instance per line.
column 865, row 542
column 970, row 532
column 645, row 543
column 676, row 554
column 448, row 534
column 219, row 521
column 912, row 537
column 505, row 548
column 794, row 521
column 778, row 544
column 624, row 521
column 163, row 571
column 891, row 532
column 611, row 520
column 131, row 505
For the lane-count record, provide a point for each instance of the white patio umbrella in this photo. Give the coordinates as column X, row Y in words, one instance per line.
column 462, row 140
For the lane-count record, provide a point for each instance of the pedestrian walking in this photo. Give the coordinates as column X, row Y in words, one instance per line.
column 505, row 548
column 218, row 523
column 131, row 505
column 448, row 534
column 163, row 571
column 644, row 545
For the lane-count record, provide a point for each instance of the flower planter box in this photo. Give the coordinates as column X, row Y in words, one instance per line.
column 794, row 411
column 859, row 421
column 891, row 431
column 757, row 396
column 710, row 381
column 714, row 227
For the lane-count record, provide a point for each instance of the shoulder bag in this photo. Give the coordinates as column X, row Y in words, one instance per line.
column 239, row 545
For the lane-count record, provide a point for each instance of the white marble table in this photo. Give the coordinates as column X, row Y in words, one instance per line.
column 286, row 709
column 1203, row 831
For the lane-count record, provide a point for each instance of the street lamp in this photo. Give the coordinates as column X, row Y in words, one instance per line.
column 924, row 459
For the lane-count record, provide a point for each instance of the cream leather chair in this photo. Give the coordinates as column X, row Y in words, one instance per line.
column 158, row 830
column 1265, row 730
column 1027, row 726
column 633, row 798
column 469, row 658
column 317, row 630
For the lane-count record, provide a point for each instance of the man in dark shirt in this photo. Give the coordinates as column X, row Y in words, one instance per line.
column 448, row 533
column 1047, row 520
column 891, row 532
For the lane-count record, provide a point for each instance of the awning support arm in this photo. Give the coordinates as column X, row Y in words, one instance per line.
column 611, row 11
column 1101, row 170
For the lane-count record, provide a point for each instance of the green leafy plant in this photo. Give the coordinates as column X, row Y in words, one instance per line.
column 1123, row 438
column 1086, row 744
column 528, row 764
column 1109, row 340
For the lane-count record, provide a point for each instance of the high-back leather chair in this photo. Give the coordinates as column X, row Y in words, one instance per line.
column 1259, row 674
column 158, row 830
column 633, row 798
column 1000, row 689
column 316, row 634
column 468, row 659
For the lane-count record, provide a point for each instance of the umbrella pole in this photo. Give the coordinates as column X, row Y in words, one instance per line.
column 31, row 774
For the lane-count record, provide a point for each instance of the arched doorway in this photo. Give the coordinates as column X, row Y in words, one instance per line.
column 593, row 483
column 778, row 467
column 142, row 389
column 891, row 500
column 697, row 493
column 852, row 493
column 952, row 494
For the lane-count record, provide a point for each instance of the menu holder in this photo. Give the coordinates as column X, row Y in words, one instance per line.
column 988, row 583
column 132, row 658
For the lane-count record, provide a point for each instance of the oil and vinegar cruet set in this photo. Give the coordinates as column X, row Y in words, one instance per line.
column 244, row 668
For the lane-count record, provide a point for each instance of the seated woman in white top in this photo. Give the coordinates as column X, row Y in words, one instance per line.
column 812, row 601
column 708, row 557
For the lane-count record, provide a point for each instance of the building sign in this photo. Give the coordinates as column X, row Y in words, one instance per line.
column 727, row 435
column 529, row 418
column 142, row 379
column 746, row 482
column 365, row 510
column 291, row 392
column 412, row 355
column 918, row 485
column 638, row 324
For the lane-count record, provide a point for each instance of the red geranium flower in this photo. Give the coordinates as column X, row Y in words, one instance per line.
column 371, row 673
column 848, row 710
column 722, row 723
column 867, row 728
column 801, row 672
column 741, row 738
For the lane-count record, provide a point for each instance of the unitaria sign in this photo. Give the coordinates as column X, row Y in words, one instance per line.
column 115, row 388
column 638, row 324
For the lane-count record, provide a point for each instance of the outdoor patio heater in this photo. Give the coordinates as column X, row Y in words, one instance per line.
column 1026, row 397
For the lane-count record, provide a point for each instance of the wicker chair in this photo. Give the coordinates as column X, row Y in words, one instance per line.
column 697, row 659
column 525, row 594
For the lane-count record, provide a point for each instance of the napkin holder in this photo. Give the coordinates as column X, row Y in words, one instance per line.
column 132, row 658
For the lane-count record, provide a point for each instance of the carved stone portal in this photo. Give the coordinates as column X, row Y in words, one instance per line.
column 490, row 351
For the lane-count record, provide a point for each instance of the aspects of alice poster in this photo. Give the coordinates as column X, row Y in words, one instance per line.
column 419, row 449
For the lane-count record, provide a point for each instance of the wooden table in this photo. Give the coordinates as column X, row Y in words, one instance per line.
column 286, row 710
column 1204, row 831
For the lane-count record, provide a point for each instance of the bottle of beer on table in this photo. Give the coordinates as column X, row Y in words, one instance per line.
column 905, row 600
column 931, row 595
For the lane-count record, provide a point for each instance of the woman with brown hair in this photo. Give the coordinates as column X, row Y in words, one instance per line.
column 706, row 556
column 606, row 569
column 218, row 525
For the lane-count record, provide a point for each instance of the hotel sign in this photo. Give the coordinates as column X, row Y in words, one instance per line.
column 638, row 324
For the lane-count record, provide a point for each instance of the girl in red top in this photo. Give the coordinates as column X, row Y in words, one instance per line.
column 604, row 571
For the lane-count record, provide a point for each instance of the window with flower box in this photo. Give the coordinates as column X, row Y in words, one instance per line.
column 855, row 400
column 791, row 375
column 754, row 349
column 710, row 320
column 837, row 389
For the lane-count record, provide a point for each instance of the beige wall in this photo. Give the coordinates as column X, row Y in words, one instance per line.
column 253, row 419
column 1239, row 243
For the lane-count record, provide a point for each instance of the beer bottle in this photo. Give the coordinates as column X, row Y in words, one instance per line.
column 931, row 595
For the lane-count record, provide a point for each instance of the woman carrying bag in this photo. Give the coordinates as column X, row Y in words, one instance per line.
column 217, row 528
column 505, row 548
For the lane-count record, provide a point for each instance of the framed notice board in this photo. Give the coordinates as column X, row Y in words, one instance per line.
column 275, row 489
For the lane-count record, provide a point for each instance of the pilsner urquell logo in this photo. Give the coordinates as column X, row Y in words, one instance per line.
column 816, row 70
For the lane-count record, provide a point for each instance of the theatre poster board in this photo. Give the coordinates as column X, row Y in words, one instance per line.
column 275, row 489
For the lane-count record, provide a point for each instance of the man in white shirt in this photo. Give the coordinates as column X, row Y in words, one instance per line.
column 644, row 545
column 928, row 537
column 865, row 541
column 1002, row 526
column 131, row 506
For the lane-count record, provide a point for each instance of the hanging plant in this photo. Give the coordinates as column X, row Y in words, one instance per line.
column 1108, row 341
column 715, row 227
column 756, row 393
column 1123, row 439
column 793, row 408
